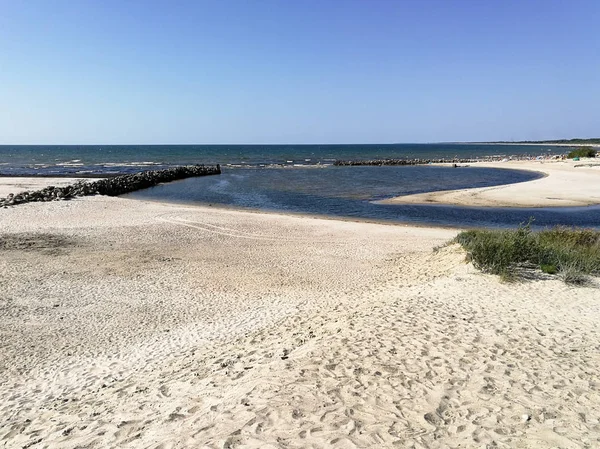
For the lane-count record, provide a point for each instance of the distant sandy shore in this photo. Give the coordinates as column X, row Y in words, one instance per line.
column 567, row 183
column 126, row 323
column 537, row 144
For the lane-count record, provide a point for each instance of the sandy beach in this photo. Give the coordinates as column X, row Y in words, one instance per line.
column 133, row 324
column 567, row 183
column 213, row 231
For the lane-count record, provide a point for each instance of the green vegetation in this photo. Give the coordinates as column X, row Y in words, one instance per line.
column 582, row 152
column 571, row 253
column 593, row 141
column 549, row 269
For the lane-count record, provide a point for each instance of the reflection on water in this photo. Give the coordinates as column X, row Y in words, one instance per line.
column 349, row 192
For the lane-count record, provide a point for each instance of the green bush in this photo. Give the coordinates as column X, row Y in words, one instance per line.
column 582, row 152
column 571, row 252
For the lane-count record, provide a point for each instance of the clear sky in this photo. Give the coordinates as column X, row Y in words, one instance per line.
column 298, row 71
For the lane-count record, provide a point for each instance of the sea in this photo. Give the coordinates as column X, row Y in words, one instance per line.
column 302, row 178
column 85, row 160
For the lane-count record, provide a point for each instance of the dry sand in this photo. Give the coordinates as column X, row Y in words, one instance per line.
column 567, row 183
column 132, row 324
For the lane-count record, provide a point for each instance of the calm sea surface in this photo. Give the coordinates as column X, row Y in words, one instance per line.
column 301, row 178
column 99, row 159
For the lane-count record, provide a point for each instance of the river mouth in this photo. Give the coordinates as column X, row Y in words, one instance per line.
column 352, row 192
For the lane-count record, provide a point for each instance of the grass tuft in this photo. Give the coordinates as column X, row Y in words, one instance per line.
column 572, row 274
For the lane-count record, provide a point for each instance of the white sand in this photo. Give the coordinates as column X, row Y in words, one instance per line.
column 163, row 326
column 567, row 183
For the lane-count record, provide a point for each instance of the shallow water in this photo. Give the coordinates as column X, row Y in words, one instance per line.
column 350, row 191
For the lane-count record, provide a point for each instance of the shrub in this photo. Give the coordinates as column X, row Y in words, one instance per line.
column 582, row 152
column 498, row 252
column 570, row 252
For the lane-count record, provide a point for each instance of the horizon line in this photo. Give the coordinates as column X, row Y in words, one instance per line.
column 464, row 142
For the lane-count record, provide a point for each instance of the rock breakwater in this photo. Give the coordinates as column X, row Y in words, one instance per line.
column 114, row 186
column 404, row 161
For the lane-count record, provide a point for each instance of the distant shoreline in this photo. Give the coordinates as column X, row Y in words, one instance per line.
column 553, row 144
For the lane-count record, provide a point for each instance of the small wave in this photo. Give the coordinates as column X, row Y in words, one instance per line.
column 129, row 164
column 306, row 163
column 295, row 166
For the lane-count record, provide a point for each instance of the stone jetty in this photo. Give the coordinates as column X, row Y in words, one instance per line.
column 456, row 160
column 113, row 186
column 404, row 161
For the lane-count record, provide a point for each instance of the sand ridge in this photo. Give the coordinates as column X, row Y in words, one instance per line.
column 160, row 326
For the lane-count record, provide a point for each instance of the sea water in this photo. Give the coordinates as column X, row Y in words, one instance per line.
column 353, row 192
column 302, row 179
column 109, row 159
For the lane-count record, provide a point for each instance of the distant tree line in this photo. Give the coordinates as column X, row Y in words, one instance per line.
column 592, row 141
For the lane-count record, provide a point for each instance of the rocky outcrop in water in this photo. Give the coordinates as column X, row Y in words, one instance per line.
column 114, row 186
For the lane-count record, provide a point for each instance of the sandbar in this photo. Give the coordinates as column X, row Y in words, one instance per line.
column 565, row 184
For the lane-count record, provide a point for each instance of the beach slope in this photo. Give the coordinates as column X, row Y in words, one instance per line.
column 133, row 324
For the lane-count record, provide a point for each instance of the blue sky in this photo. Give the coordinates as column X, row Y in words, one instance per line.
column 262, row 71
